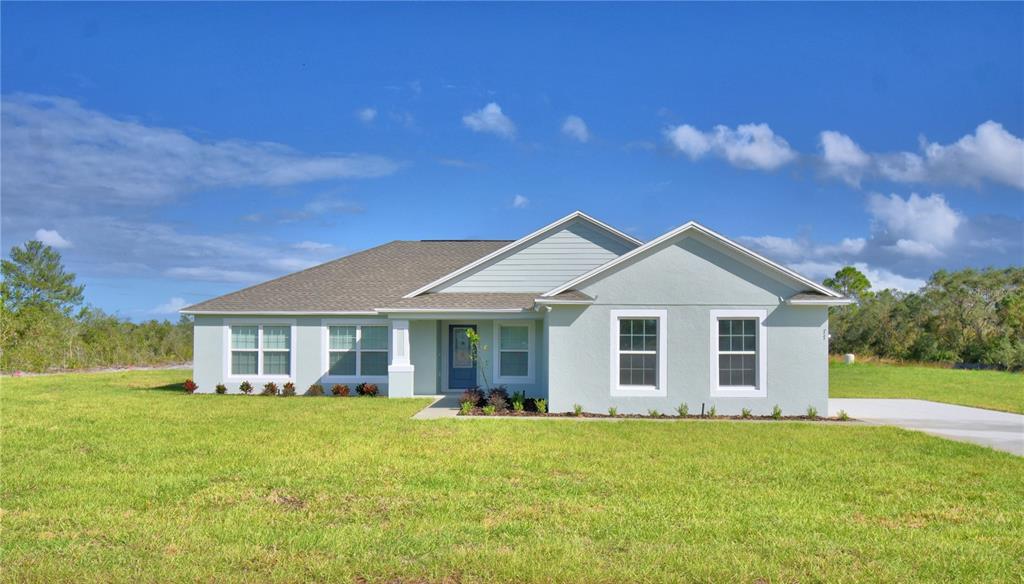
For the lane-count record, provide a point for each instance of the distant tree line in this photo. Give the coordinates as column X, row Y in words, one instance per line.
column 45, row 325
column 970, row 316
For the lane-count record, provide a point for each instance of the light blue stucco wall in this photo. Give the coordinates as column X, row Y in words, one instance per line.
column 688, row 279
column 428, row 339
column 210, row 341
column 575, row 249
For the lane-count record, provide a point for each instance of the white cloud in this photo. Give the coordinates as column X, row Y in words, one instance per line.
column 843, row 158
column 367, row 115
column 990, row 154
column 920, row 226
column 60, row 153
column 880, row 278
column 172, row 306
column 576, row 128
column 311, row 246
column 751, row 146
column 776, row 247
column 491, row 120
column 52, row 238
column 252, row 218
column 520, row 202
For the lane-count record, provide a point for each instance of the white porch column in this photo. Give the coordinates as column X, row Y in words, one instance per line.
column 400, row 370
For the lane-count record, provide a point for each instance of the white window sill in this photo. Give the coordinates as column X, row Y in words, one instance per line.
column 354, row 379
column 637, row 391
column 738, row 392
column 513, row 380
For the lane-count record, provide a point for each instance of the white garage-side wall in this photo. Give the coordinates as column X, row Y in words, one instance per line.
column 687, row 280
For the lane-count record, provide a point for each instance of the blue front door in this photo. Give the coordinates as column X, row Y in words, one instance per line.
column 461, row 367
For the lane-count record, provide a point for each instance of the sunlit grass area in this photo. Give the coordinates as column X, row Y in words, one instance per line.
column 118, row 477
column 994, row 390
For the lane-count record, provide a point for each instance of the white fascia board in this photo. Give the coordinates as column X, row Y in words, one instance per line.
column 275, row 312
column 556, row 301
column 679, row 231
column 520, row 243
column 447, row 310
column 822, row 302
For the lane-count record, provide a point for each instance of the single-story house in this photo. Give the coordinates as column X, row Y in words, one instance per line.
column 576, row 312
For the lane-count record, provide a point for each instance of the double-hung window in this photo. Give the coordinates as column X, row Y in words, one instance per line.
column 260, row 350
column 513, row 342
column 639, row 340
column 738, row 352
column 357, row 350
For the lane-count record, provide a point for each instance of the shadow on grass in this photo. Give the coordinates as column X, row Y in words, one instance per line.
column 170, row 387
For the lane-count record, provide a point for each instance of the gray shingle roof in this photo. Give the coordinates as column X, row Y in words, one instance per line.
column 478, row 300
column 374, row 278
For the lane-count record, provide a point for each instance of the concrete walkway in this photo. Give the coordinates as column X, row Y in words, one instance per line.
column 1000, row 430
column 444, row 406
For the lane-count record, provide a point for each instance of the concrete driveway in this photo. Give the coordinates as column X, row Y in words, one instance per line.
column 999, row 430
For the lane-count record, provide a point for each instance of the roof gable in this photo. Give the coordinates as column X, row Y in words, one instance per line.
column 721, row 242
column 574, row 244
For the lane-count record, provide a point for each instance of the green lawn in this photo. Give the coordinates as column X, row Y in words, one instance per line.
column 120, row 477
column 994, row 390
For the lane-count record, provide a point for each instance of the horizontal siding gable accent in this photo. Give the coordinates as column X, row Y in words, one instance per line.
column 575, row 249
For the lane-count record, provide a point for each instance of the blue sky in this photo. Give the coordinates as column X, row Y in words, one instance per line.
column 176, row 152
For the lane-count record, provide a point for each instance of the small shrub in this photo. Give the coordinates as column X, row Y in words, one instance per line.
column 812, row 412
column 843, row 415
column 190, row 386
column 542, row 406
column 745, row 413
column 339, row 389
column 518, row 401
column 270, row 388
column 498, row 398
column 288, row 389
column 472, row 396
column 654, row 413
column 613, row 411
column 712, row 411
column 577, row 410
column 489, row 410
column 221, row 388
column 466, row 408
column 683, row 410
column 776, row 412
column 367, row 389
column 315, row 389
column 245, row 387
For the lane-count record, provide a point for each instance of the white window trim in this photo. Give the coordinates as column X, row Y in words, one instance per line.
column 531, row 352
column 658, row 390
column 325, row 344
column 258, row 323
column 761, row 389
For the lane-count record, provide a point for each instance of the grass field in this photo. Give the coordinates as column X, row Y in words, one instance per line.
column 121, row 477
column 994, row 390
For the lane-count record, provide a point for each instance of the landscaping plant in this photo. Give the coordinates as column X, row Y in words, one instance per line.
column 488, row 410
column 613, row 411
column 654, row 413
column 472, row 396
column 190, row 386
column 465, row 408
column 812, row 412
column 843, row 415
column 712, row 411
column 315, row 389
column 776, row 412
column 745, row 413
column 270, row 388
column 367, row 389
column 518, row 401
column 542, row 406
column 339, row 389
column 245, row 387
column 288, row 389
column 498, row 397
column 683, row 410
column 577, row 410
column 221, row 388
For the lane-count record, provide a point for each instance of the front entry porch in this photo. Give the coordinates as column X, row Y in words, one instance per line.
column 432, row 353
